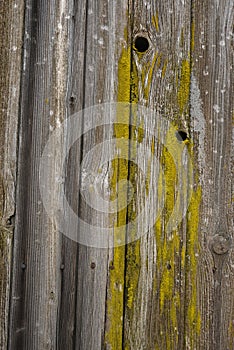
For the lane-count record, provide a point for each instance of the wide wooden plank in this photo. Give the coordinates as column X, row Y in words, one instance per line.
column 212, row 117
column 36, row 286
column 11, row 26
column 105, row 25
column 156, row 277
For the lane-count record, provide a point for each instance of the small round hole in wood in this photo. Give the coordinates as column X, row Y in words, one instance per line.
column 92, row 265
column 169, row 266
column 181, row 135
column 141, row 44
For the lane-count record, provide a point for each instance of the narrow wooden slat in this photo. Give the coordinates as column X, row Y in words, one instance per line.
column 11, row 26
column 66, row 330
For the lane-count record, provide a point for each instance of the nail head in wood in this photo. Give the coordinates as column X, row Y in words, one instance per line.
column 23, row 266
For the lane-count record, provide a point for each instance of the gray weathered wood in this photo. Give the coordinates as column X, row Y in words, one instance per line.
column 156, row 317
column 36, row 286
column 11, row 27
column 212, row 117
column 105, row 24
column 172, row 288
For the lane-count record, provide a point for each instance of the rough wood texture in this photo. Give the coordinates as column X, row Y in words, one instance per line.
column 36, row 285
column 172, row 288
column 11, row 26
column 156, row 317
column 212, row 117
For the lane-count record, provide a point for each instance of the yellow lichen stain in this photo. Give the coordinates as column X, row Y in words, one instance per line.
column 231, row 333
column 155, row 21
column 168, row 341
column 170, row 248
column 124, row 75
column 184, row 86
column 170, row 175
column 183, row 253
column 186, row 142
column 193, row 222
column 133, row 260
column 140, row 132
column 116, row 300
column 192, row 44
column 166, row 287
column 124, row 278
column 159, row 240
column 164, row 68
column 166, row 248
column 193, row 314
column 134, row 84
column 133, row 270
column 115, row 304
column 175, row 305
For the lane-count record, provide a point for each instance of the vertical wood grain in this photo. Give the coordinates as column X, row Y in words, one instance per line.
column 105, row 24
column 36, row 286
column 171, row 287
column 155, row 317
column 11, row 26
column 212, row 113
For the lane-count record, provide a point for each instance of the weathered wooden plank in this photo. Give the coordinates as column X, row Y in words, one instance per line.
column 155, row 274
column 11, row 26
column 36, row 286
column 212, row 114
column 67, row 315
column 105, row 24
